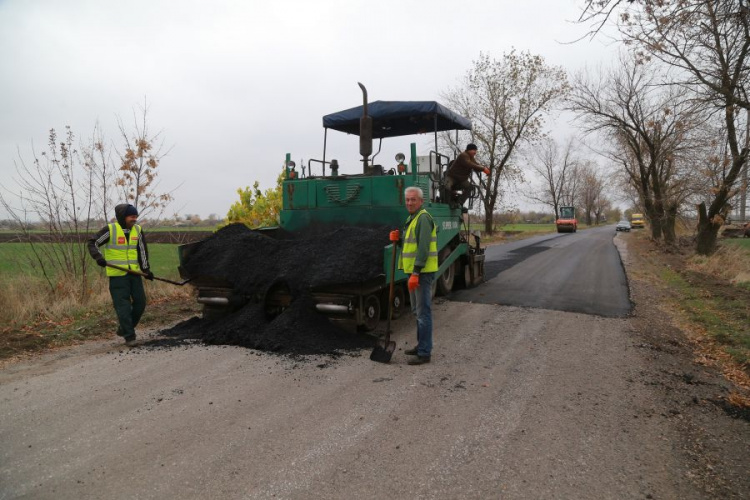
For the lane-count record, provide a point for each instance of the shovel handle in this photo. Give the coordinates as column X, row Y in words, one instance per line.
column 144, row 275
column 129, row 271
column 391, row 293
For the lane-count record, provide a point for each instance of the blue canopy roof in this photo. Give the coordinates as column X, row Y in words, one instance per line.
column 397, row 118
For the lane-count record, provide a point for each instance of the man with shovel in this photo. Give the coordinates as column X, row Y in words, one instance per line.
column 419, row 259
column 124, row 247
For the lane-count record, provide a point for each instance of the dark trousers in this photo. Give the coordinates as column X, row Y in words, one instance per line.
column 421, row 306
column 129, row 300
column 454, row 186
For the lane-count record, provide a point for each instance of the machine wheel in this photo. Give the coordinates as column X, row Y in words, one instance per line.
column 468, row 282
column 459, row 282
column 399, row 302
column 445, row 280
column 371, row 313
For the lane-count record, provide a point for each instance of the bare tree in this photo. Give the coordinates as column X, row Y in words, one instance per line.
column 591, row 191
column 506, row 100
column 645, row 125
column 557, row 171
column 65, row 190
column 140, row 160
column 102, row 171
column 55, row 190
column 707, row 44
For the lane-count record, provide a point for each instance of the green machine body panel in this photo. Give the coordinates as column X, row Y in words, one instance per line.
column 347, row 200
column 366, row 201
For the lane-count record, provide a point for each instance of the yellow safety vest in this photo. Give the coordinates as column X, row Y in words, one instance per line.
column 409, row 252
column 120, row 251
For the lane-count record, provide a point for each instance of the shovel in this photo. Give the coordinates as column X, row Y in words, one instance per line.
column 384, row 348
column 144, row 275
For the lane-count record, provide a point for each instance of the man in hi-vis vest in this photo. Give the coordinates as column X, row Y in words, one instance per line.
column 419, row 259
column 124, row 246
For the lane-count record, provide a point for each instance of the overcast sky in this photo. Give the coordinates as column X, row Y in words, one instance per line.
column 235, row 85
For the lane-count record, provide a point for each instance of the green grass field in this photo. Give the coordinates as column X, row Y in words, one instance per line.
column 17, row 258
column 740, row 242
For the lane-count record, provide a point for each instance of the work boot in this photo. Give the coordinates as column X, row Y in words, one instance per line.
column 419, row 360
column 130, row 341
column 411, row 352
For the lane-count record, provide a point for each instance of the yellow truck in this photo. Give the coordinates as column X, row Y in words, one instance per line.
column 636, row 221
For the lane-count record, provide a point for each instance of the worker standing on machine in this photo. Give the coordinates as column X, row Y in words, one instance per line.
column 457, row 175
column 124, row 246
column 419, row 259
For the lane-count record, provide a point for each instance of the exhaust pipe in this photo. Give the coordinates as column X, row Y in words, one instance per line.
column 214, row 301
column 332, row 308
column 365, row 133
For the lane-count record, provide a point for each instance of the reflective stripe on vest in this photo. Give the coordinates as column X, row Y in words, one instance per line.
column 409, row 252
column 122, row 251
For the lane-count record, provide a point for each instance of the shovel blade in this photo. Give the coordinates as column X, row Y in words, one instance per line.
column 383, row 351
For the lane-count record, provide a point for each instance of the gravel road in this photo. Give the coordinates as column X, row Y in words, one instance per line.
column 517, row 403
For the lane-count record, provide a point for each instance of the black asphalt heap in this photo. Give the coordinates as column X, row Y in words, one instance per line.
column 250, row 261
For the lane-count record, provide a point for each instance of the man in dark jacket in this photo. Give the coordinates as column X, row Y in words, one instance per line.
column 124, row 247
column 457, row 175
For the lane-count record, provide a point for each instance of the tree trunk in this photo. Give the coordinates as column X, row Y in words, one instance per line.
column 668, row 224
column 656, row 228
column 489, row 212
column 488, row 226
column 707, row 232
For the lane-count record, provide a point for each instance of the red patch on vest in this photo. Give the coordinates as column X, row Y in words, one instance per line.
column 121, row 240
column 134, row 238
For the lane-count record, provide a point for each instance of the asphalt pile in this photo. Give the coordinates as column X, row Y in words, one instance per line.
column 250, row 261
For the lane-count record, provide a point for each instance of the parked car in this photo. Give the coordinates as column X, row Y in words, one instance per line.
column 623, row 225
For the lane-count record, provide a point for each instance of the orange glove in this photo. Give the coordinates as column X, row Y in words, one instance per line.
column 394, row 235
column 486, row 171
column 413, row 282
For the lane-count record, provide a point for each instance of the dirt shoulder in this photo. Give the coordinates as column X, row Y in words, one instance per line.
column 700, row 400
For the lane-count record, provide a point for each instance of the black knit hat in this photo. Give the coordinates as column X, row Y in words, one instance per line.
column 471, row 147
column 131, row 210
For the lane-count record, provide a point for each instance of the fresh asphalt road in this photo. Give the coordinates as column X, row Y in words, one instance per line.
column 574, row 272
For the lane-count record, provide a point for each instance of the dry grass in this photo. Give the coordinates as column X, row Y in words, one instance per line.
column 24, row 299
column 704, row 302
column 729, row 262
column 34, row 318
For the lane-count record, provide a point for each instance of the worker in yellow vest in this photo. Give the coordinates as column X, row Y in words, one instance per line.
column 124, row 246
column 419, row 259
